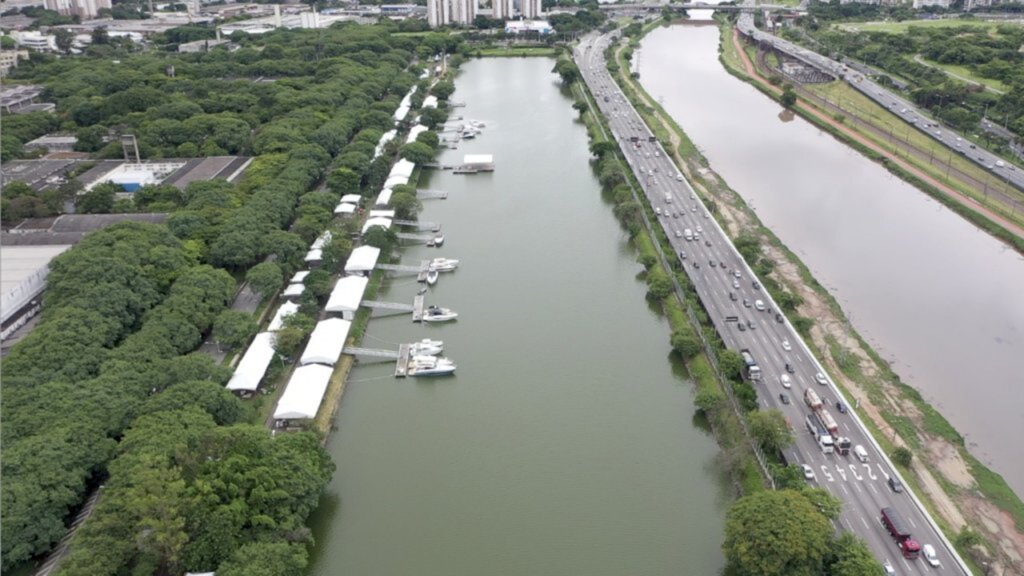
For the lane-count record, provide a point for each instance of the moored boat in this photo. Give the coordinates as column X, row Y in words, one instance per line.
column 432, row 277
column 426, row 347
column 430, row 366
column 439, row 314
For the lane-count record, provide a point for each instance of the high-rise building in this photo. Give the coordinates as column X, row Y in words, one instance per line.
column 463, row 11
column 502, row 9
column 530, row 9
column 438, row 13
column 84, row 9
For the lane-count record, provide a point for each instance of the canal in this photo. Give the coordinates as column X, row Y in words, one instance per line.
column 566, row 443
column 933, row 294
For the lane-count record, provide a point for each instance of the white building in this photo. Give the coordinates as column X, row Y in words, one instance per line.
column 542, row 27
column 939, row 3
column 438, row 13
column 86, row 9
column 346, row 296
column 530, row 9
column 464, row 11
column 501, row 9
column 35, row 40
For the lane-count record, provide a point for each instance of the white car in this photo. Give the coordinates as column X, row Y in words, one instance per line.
column 930, row 556
column 889, row 570
column 785, row 381
column 808, row 472
column 786, row 346
column 821, row 378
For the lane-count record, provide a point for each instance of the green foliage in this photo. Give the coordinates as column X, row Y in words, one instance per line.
column 776, row 533
column 686, row 342
column 852, row 557
column 770, row 430
column 731, row 364
column 902, row 456
column 233, row 328
column 344, row 181
column 788, row 98
column 968, row 538
column 567, row 70
column 265, row 279
column 417, row 152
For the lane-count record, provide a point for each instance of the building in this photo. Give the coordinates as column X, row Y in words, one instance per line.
column 463, row 11
column 53, row 143
column 939, row 3
column 530, row 9
column 85, row 9
column 502, row 9
column 15, row 97
column 201, row 45
column 542, row 27
column 35, row 41
column 9, row 59
column 437, row 13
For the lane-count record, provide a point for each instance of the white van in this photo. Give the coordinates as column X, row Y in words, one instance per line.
column 759, row 305
column 860, row 453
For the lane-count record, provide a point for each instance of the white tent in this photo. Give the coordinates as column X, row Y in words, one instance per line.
column 401, row 113
column 254, row 364
column 299, row 276
column 326, row 342
column 346, row 296
column 305, row 392
column 402, row 168
column 430, row 102
column 415, row 131
column 362, row 260
column 371, row 222
column 286, row 310
column 393, row 181
column 314, row 255
column 387, row 137
column 382, row 213
column 351, row 198
column 321, row 241
column 294, row 290
column 384, row 198
column 344, row 209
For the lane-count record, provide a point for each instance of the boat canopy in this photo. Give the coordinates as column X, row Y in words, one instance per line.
column 286, row 310
column 305, row 392
column 347, row 294
column 326, row 342
column 362, row 259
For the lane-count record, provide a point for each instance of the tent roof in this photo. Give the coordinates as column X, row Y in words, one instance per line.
column 326, row 342
column 254, row 363
column 402, row 168
column 351, row 198
column 362, row 259
column 321, row 240
column 415, row 131
column 430, row 102
column 345, row 208
column 384, row 198
column 371, row 222
column 294, row 290
column 347, row 294
column 314, row 255
column 382, row 213
column 286, row 310
column 299, row 276
column 393, row 181
column 305, row 392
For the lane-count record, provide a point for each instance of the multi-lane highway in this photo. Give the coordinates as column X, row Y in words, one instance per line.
column 731, row 294
column 905, row 109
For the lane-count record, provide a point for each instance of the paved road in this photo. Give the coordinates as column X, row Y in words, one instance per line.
column 728, row 288
column 1000, row 168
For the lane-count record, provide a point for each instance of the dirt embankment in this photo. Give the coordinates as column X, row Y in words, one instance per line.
column 939, row 462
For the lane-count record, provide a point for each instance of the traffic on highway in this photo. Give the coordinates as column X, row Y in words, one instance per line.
column 905, row 109
column 831, row 443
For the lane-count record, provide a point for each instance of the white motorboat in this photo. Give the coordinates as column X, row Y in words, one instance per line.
column 432, row 277
column 437, row 241
column 426, row 347
column 468, row 133
column 443, row 264
column 438, row 314
column 430, row 366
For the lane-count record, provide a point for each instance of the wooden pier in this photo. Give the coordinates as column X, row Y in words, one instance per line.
column 415, row 237
column 428, row 194
column 417, row 308
column 402, row 365
column 424, row 270
column 431, row 226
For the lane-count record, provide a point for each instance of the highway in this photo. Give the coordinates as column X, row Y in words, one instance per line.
column 728, row 288
column 905, row 109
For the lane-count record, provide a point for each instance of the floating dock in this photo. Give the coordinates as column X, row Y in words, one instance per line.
column 402, row 365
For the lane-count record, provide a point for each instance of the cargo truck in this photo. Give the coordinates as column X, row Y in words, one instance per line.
column 894, row 523
column 750, row 368
column 821, row 436
column 826, row 421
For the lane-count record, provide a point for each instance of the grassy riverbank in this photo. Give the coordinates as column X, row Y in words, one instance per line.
column 896, row 413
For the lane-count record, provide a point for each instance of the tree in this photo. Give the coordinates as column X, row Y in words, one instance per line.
column 769, row 429
column 659, row 285
column 443, row 90
column 406, row 205
column 852, row 557
column 823, row 501
column 100, row 35
column 776, row 533
column 64, row 39
column 791, row 477
column 902, row 456
column 99, row 200
column 232, row 328
column 731, row 364
column 567, row 71
column 417, row 152
column 287, row 340
column 788, row 97
column 343, row 181
column 266, row 559
column 581, row 106
column 686, row 343
column 319, row 283
column 265, row 279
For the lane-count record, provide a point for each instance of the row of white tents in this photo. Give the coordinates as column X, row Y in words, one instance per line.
column 306, row 388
